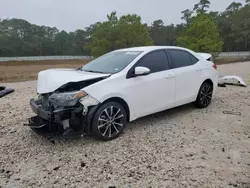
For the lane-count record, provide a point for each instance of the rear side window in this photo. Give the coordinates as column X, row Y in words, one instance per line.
column 180, row 58
column 193, row 59
column 156, row 61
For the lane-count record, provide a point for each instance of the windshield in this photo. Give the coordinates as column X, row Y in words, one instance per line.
column 112, row 62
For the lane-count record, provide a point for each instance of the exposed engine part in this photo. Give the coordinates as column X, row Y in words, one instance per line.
column 65, row 124
column 76, row 86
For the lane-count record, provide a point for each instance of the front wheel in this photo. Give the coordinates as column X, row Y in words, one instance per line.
column 204, row 97
column 109, row 121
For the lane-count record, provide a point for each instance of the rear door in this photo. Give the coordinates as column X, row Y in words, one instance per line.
column 188, row 75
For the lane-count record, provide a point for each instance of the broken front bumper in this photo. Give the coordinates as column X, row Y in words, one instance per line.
column 56, row 116
column 52, row 121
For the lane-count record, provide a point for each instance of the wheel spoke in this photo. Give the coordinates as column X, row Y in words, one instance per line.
column 115, row 128
column 105, row 131
column 202, row 102
column 103, row 125
column 100, row 119
column 206, row 101
column 119, row 117
column 109, row 131
column 119, row 124
column 111, row 111
column 207, row 89
column 209, row 97
column 118, row 111
column 106, row 112
column 202, row 97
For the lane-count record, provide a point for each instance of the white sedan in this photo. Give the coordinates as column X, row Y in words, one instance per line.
column 119, row 87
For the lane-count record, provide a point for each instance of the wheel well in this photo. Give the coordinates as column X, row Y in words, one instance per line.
column 122, row 102
column 209, row 81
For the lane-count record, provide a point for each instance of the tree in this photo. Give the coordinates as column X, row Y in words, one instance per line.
column 187, row 14
column 127, row 31
column 202, row 6
column 233, row 7
column 201, row 35
column 21, row 38
column 241, row 28
column 157, row 32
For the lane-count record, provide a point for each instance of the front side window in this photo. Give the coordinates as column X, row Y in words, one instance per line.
column 112, row 62
column 156, row 61
column 180, row 58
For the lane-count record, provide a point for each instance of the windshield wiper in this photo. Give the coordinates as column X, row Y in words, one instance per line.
column 94, row 71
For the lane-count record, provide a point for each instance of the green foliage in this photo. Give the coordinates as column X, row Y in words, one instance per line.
column 20, row 38
column 187, row 14
column 202, row 30
column 234, row 27
column 127, row 31
column 201, row 35
column 202, row 6
column 163, row 35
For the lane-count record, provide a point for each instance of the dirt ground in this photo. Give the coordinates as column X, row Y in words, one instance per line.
column 182, row 147
column 18, row 71
column 23, row 71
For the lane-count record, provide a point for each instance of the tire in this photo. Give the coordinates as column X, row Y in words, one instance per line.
column 109, row 121
column 205, row 95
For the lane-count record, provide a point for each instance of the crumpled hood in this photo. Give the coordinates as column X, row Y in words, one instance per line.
column 52, row 79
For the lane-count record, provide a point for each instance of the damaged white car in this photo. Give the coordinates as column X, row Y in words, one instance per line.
column 119, row 87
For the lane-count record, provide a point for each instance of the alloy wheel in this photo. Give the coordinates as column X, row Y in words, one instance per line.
column 111, row 121
column 206, row 95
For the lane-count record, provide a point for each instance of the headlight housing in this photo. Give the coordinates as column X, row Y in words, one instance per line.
column 67, row 99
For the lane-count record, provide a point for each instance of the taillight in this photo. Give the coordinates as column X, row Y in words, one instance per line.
column 215, row 66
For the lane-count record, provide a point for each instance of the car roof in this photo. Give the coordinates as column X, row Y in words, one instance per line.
column 150, row 48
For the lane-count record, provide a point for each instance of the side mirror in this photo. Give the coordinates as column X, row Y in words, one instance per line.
column 141, row 71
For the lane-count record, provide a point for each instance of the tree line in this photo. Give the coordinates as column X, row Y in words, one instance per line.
column 202, row 30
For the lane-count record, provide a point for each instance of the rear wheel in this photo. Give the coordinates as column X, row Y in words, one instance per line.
column 109, row 121
column 204, row 97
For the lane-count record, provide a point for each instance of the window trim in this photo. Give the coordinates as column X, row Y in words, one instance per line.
column 171, row 61
column 130, row 71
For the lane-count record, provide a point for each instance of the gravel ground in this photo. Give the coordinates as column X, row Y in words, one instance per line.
column 183, row 147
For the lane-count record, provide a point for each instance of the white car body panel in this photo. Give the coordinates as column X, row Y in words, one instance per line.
column 205, row 55
column 144, row 95
column 190, row 78
column 154, row 92
column 52, row 79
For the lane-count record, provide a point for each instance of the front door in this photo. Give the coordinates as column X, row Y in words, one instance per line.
column 154, row 92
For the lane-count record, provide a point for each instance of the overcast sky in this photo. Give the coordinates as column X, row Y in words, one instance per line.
column 78, row 14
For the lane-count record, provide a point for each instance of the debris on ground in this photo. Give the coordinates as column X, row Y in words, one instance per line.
column 5, row 91
column 232, row 113
column 222, row 85
column 2, row 88
column 231, row 80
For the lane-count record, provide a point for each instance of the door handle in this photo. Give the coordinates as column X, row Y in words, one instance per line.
column 198, row 69
column 170, row 76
